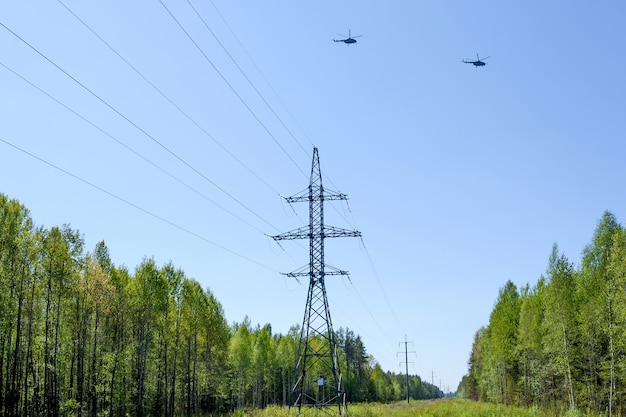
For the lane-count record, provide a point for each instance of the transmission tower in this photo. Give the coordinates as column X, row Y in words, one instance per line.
column 317, row 376
column 406, row 363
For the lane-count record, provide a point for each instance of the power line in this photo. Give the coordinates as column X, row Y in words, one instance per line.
column 137, row 207
column 261, row 73
column 206, row 25
column 269, row 84
column 156, row 88
column 128, row 147
column 380, row 285
column 137, row 126
column 369, row 312
column 143, row 131
column 231, row 88
column 245, row 76
column 166, row 97
column 281, row 121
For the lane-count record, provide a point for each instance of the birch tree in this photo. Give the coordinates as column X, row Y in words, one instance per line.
column 597, row 315
column 559, row 326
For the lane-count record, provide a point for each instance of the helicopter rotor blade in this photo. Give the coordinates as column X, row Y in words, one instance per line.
column 487, row 57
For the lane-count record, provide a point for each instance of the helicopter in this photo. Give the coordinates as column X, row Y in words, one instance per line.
column 349, row 40
column 478, row 62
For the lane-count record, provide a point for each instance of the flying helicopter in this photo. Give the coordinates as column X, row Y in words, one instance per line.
column 349, row 40
column 479, row 61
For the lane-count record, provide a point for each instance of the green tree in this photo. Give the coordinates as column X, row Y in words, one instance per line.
column 616, row 300
column 264, row 363
column 17, row 265
column 500, row 367
column 471, row 385
column 61, row 259
column 117, row 365
column 381, row 386
column 286, row 352
column 149, row 294
column 214, row 353
column 530, row 344
column 559, row 325
column 240, row 357
column 597, row 317
column 171, row 331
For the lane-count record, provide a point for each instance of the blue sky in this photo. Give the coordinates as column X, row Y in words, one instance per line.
column 459, row 178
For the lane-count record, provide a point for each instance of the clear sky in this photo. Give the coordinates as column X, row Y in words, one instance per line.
column 170, row 130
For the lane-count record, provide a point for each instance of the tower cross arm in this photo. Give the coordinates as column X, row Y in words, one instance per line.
column 297, row 199
column 296, row 274
column 331, row 231
column 305, row 233
column 300, row 233
column 305, row 197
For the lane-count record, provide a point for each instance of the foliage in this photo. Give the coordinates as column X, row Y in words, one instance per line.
column 82, row 336
column 560, row 344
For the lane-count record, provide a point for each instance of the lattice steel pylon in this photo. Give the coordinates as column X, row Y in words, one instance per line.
column 317, row 375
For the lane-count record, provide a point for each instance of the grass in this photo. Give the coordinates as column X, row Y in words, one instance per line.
column 438, row 408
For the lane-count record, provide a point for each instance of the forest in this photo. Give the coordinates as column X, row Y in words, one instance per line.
column 80, row 336
column 560, row 344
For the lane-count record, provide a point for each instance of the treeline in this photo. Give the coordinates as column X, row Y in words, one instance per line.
column 80, row 336
column 561, row 343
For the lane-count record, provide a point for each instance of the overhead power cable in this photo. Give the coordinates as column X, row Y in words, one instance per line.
column 246, row 77
column 241, row 45
column 253, row 86
column 137, row 207
column 295, row 139
column 380, row 286
column 232, row 88
column 262, row 75
column 206, row 25
column 369, row 312
column 119, row 142
column 137, row 126
column 167, row 98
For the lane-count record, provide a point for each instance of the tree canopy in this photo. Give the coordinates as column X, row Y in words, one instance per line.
column 82, row 336
column 559, row 344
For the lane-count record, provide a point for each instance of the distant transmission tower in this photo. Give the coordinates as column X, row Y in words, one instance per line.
column 406, row 363
column 317, row 376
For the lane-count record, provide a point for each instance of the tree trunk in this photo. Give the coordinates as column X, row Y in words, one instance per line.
column 570, row 387
column 93, row 399
column 48, row 387
column 55, row 375
column 611, row 358
column 189, row 412
column 142, row 352
column 173, row 382
column 117, row 348
column 13, row 399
